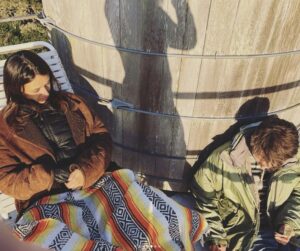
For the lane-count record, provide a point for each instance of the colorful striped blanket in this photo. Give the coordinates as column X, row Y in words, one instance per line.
column 117, row 213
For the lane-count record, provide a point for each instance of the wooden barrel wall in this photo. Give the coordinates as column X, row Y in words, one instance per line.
column 204, row 97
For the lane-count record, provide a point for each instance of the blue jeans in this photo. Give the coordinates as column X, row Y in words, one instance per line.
column 265, row 241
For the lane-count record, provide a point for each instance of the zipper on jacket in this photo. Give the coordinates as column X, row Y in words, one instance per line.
column 250, row 187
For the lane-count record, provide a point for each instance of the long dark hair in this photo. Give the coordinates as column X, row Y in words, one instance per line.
column 21, row 68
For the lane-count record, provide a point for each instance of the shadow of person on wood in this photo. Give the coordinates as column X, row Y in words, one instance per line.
column 251, row 111
column 151, row 145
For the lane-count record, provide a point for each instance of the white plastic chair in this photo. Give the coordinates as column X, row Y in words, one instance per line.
column 7, row 206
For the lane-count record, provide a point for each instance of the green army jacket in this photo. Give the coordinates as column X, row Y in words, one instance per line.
column 226, row 195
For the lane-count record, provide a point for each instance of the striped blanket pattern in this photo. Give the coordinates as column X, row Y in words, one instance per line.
column 117, row 213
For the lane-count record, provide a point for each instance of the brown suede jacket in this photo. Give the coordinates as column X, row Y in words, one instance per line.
column 27, row 160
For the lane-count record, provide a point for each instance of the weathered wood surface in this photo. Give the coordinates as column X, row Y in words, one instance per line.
column 164, row 148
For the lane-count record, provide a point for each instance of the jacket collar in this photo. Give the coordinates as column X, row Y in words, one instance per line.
column 290, row 162
column 30, row 132
column 239, row 155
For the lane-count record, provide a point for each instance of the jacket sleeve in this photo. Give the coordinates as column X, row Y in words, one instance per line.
column 289, row 212
column 20, row 180
column 205, row 190
column 95, row 154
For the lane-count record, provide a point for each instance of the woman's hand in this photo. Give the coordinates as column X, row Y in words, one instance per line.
column 284, row 235
column 76, row 180
column 61, row 175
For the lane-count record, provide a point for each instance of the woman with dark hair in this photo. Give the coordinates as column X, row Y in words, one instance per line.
column 53, row 154
column 50, row 141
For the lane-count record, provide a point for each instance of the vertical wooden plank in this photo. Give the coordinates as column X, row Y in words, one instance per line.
column 185, row 93
column 220, row 23
column 130, row 16
column 162, row 100
column 178, row 22
column 190, row 71
column 139, row 130
column 113, row 69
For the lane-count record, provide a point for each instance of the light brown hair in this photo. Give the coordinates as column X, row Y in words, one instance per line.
column 275, row 140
